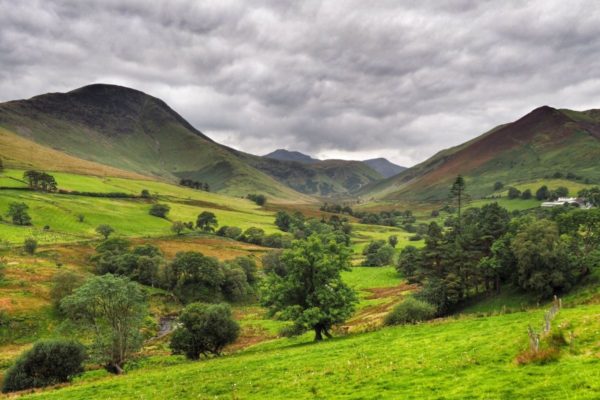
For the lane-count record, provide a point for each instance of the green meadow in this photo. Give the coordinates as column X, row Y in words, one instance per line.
column 455, row 358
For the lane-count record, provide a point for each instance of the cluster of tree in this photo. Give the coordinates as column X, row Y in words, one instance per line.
column 569, row 175
column 379, row 252
column 38, row 180
column 387, row 218
column 259, row 199
column 483, row 248
column 336, row 209
column 191, row 276
column 304, row 284
column 195, row 184
column 543, row 193
column 301, row 227
column 18, row 213
column 591, row 195
column 110, row 195
column 256, row 236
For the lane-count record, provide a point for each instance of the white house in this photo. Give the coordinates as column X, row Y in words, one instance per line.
column 561, row 201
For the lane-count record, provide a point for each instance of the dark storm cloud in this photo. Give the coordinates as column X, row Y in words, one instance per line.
column 349, row 79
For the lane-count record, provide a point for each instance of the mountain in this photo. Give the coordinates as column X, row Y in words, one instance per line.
column 384, row 167
column 286, row 155
column 541, row 143
column 128, row 130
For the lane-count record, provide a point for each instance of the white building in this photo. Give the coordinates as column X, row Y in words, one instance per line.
column 561, row 201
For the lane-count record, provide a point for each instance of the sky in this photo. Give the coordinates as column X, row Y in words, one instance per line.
column 334, row 79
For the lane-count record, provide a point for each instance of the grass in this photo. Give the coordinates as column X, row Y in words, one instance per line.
column 452, row 359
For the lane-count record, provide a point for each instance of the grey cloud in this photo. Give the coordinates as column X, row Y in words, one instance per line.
column 353, row 78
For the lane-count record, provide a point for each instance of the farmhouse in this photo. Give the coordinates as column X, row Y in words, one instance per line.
column 561, row 201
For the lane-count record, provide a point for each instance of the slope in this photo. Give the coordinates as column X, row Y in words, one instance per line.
column 287, row 155
column 469, row 357
column 536, row 146
column 130, row 130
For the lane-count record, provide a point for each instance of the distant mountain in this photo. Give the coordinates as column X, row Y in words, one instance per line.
column 287, row 155
column 544, row 142
column 384, row 167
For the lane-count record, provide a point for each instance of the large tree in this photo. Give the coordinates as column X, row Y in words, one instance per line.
column 114, row 308
column 205, row 329
column 206, row 221
column 310, row 291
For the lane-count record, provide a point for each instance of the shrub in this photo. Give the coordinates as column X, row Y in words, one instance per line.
column 205, row 329
column 30, row 245
column 177, row 227
column 542, row 356
column 410, row 311
column 49, row 362
column 259, row 199
column 159, row 210
column 104, row 230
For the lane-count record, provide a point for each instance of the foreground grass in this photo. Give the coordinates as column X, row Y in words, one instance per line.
column 452, row 359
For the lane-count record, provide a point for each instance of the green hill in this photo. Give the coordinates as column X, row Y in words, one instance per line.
column 537, row 146
column 130, row 130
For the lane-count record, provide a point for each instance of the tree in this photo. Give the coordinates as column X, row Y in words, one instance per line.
column 113, row 307
column 312, row 293
column 253, row 235
column 561, row 191
column 145, row 194
column 49, row 362
column 498, row 186
column 177, row 227
column 378, row 253
column 526, row 195
column 17, row 212
column 30, row 245
column 206, row 221
column 283, row 221
column 542, row 193
column 591, row 195
column 513, row 193
column 194, row 277
column 457, row 193
column 259, row 199
column 393, row 240
column 409, row 262
column 104, row 230
column 204, row 330
column 159, row 210
column 63, row 285
column 543, row 261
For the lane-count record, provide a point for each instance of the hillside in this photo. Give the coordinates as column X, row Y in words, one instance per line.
column 470, row 357
column 130, row 130
column 536, row 146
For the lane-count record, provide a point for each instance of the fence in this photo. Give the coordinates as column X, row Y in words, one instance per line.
column 534, row 337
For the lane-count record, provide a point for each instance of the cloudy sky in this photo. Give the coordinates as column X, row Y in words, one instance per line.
column 345, row 79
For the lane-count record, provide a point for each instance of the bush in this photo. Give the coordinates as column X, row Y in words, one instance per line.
column 259, row 199
column 30, row 245
column 410, row 311
column 205, row 329
column 49, row 362
column 63, row 285
column 159, row 210
column 104, row 230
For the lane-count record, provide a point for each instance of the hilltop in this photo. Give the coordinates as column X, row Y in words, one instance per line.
column 544, row 143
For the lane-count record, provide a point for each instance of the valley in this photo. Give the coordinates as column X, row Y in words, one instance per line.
column 141, row 195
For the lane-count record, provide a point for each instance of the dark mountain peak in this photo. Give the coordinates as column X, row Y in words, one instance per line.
column 290, row 155
column 110, row 109
column 384, row 167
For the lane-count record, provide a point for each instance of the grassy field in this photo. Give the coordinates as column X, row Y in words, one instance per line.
column 451, row 359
